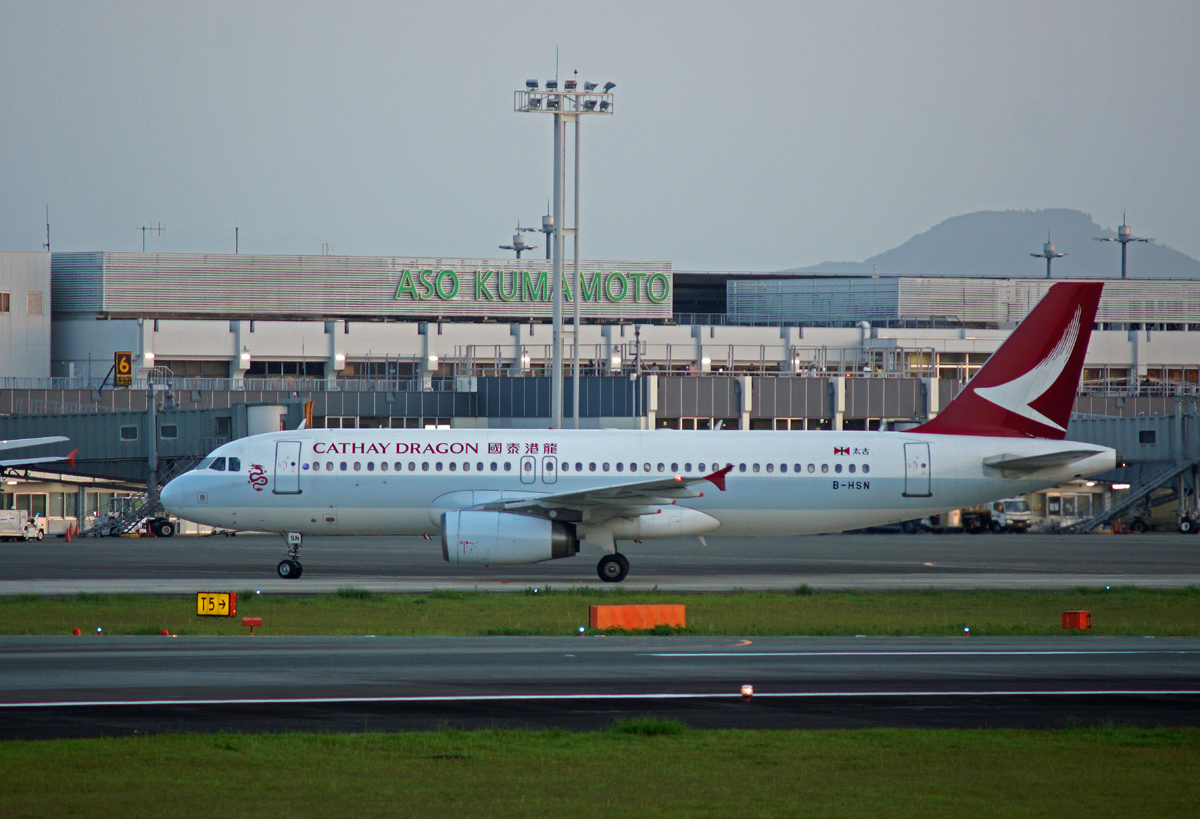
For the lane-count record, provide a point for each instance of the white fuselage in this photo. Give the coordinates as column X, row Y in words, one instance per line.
column 397, row 481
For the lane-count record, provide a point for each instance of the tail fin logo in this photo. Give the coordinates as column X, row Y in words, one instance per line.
column 1018, row 395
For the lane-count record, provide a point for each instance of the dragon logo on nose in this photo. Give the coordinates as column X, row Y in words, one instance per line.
column 258, row 477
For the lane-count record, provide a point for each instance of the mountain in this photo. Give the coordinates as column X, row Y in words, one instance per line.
column 998, row 243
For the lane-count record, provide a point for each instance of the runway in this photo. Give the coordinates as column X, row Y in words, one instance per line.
column 53, row 686
column 183, row 565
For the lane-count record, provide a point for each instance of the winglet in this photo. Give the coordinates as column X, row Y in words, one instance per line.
column 71, row 457
column 717, row 478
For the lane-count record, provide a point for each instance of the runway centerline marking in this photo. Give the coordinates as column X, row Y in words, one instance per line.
column 1111, row 692
column 931, row 653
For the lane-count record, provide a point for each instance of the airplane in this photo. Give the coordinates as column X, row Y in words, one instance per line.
column 22, row 443
column 507, row 496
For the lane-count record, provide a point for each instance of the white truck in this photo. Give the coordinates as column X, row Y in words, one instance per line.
column 15, row 524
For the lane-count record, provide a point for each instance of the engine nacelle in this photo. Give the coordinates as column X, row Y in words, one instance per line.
column 502, row 538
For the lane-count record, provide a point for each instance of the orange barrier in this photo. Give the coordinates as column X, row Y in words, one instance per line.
column 633, row 618
column 1077, row 619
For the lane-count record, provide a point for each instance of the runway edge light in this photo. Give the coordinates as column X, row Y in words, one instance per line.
column 747, row 692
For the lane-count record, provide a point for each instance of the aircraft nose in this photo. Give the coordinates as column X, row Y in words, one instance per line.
column 172, row 497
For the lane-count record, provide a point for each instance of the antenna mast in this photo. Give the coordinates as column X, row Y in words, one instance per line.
column 144, row 228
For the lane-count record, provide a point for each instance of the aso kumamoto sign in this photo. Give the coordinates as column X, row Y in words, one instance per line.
column 528, row 285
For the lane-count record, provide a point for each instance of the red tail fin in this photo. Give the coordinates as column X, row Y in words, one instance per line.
column 1027, row 388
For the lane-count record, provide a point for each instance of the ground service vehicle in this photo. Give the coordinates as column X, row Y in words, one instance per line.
column 15, row 524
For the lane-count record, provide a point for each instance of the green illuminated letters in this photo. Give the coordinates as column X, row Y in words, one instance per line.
column 441, row 294
column 538, row 292
column 608, row 289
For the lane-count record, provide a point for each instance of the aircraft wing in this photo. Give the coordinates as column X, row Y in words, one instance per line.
column 1014, row 466
column 617, row 500
column 48, row 459
column 20, row 443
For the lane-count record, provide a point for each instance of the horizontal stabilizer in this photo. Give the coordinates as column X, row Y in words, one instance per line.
column 1018, row 466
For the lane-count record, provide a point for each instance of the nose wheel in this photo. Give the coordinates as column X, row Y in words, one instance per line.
column 613, row 568
column 291, row 569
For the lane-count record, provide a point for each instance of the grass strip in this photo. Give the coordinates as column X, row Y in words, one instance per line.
column 631, row 770
column 1117, row 611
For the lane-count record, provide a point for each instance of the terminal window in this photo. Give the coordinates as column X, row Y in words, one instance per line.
column 4, row 302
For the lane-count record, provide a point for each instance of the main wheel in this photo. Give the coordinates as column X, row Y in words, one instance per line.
column 613, row 568
column 288, row 569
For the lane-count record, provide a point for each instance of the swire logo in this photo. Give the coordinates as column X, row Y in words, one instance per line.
column 841, row 450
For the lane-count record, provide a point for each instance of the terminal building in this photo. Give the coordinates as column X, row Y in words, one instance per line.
column 421, row 342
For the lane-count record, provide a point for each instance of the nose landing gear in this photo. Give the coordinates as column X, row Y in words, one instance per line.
column 291, row 569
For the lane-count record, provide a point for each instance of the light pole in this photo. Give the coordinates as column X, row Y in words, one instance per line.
column 1048, row 253
column 1124, row 236
column 567, row 105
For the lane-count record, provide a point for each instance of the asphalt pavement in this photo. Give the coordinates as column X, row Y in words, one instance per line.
column 413, row 564
column 61, row 686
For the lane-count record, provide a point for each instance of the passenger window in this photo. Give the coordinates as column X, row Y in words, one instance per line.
column 797, row 469
column 438, row 466
column 383, row 466
column 479, row 466
column 620, row 466
column 851, row 467
column 494, row 466
column 370, row 466
column 824, row 467
column 837, row 468
column 700, row 467
column 770, row 467
column 866, row 468
column 316, row 466
column 687, row 467
column 578, row 466
column 412, row 466
column 591, row 467
column 235, row 464
column 674, row 467
column 811, row 468
column 633, row 467
column 646, row 467
column 741, row 467
column 453, row 466
column 424, row 466
column 783, row 467
column 566, row 466
column 329, row 466
column 756, row 467
column 507, row 466
column 357, row 466
column 218, row 464
column 662, row 467
column 604, row 467
column 342, row 466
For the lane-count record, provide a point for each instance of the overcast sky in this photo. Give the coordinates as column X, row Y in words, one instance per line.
column 747, row 135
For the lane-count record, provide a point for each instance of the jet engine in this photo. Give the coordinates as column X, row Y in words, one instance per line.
column 503, row 538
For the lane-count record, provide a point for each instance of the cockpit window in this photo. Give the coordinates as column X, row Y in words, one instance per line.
column 218, row 464
column 235, row 464
column 205, row 463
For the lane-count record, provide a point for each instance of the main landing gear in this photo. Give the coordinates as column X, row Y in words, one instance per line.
column 291, row 569
column 613, row 568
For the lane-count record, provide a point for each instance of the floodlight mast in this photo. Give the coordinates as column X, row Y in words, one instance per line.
column 567, row 105
column 1124, row 236
column 1048, row 253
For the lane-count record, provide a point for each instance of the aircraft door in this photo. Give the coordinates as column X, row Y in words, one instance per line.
column 549, row 469
column 287, row 468
column 528, row 469
column 916, row 471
